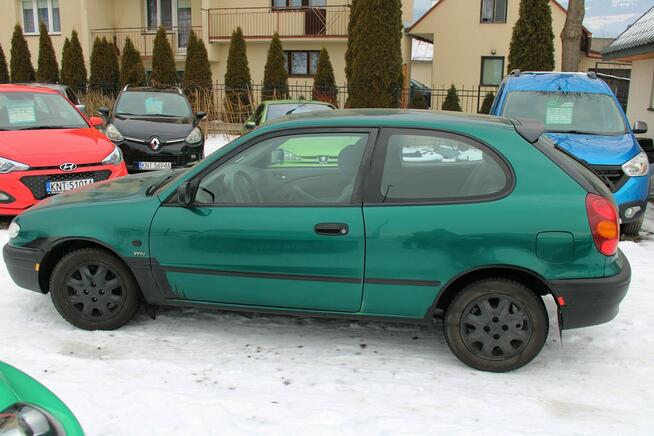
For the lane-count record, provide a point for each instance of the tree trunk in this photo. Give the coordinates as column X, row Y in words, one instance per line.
column 571, row 36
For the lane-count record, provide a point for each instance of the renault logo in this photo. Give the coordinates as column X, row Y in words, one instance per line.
column 155, row 143
column 68, row 166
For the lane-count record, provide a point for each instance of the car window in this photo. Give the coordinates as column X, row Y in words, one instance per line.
column 433, row 167
column 71, row 96
column 27, row 110
column 144, row 104
column 288, row 170
column 257, row 115
column 570, row 112
column 279, row 110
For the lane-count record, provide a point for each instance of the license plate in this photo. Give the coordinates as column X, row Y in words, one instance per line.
column 53, row 187
column 148, row 166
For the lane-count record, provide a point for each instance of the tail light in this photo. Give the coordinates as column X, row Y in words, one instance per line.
column 604, row 225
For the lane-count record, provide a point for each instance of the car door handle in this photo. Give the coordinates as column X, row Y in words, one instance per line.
column 331, row 229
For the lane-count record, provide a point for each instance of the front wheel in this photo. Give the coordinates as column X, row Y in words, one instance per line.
column 496, row 325
column 93, row 290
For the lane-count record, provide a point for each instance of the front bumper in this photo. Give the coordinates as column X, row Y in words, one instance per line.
column 28, row 187
column 180, row 154
column 633, row 193
column 22, row 266
column 593, row 301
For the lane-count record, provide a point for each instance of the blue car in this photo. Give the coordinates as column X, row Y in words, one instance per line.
column 583, row 117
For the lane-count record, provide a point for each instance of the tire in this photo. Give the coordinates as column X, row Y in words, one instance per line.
column 77, row 290
column 496, row 325
column 632, row 229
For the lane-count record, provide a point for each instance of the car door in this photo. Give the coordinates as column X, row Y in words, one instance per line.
column 430, row 215
column 271, row 229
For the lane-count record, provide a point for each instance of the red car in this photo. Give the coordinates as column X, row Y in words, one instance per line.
column 47, row 146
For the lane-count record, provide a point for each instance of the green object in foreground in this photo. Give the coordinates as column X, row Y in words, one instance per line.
column 27, row 406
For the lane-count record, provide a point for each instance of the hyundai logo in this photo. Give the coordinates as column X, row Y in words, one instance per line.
column 68, row 166
column 155, row 143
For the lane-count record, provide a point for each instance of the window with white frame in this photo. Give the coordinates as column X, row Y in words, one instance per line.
column 35, row 11
column 170, row 14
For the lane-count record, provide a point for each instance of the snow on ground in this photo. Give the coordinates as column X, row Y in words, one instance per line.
column 214, row 142
column 203, row 372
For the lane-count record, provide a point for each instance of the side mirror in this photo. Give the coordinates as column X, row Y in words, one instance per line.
column 277, row 157
column 200, row 115
column 81, row 108
column 186, row 193
column 96, row 121
column 103, row 112
column 250, row 125
column 640, row 127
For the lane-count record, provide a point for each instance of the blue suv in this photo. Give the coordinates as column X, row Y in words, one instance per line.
column 583, row 117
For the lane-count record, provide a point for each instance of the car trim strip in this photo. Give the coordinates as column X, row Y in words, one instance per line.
column 302, row 277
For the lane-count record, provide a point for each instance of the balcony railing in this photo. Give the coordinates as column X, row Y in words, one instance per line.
column 143, row 37
column 262, row 22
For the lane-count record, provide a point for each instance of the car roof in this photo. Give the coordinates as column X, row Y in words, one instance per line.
column 297, row 101
column 27, row 88
column 153, row 89
column 556, row 82
column 400, row 118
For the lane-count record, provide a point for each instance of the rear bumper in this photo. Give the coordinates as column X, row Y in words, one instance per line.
column 21, row 265
column 592, row 301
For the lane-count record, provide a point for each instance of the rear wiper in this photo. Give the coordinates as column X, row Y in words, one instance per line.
column 297, row 107
column 588, row 166
column 153, row 188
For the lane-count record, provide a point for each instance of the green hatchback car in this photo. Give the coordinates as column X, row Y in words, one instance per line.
column 475, row 238
column 29, row 408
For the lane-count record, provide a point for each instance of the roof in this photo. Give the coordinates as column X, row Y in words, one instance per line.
column 422, row 51
column 296, row 101
column 152, row 89
column 556, row 82
column 388, row 117
column 55, row 86
column 26, row 88
column 439, row 2
column 636, row 40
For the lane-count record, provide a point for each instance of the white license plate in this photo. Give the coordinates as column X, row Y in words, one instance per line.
column 155, row 165
column 53, row 187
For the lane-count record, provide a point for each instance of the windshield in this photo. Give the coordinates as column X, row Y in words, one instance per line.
column 37, row 110
column 153, row 104
column 595, row 114
column 279, row 110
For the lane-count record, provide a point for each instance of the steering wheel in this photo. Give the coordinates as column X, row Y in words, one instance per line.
column 244, row 189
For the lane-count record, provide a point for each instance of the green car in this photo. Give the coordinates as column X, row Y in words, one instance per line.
column 475, row 237
column 29, row 408
column 273, row 109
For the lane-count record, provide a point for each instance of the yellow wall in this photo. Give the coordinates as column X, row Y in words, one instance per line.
column 640, row 93
column 460, row 40
column 421, row 71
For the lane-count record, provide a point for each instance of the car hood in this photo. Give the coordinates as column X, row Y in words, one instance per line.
column 126, row 188
column 598, row 149
column 44, row 148
column 144, row 128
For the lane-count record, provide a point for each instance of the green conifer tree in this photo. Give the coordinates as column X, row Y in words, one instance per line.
column 238, row 82
column 418, row 100
column 487, row 103
column 105, row 73
column 21, row 59
column 451, row 102
column 47, row 69
column 197, row 70
column 132, row 71
column 324, row 84
column 164, row 72
column 376, row 54
column 351, row 38
column 4, row 71
column 532, row 42
column 275, row 75
column 73, row 67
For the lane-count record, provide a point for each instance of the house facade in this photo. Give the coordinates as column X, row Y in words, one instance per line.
column 305, row 27
column 472, row 37
column 636, row 44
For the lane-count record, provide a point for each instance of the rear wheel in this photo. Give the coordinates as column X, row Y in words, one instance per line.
column 94, row 290
column 632, row 229
column 496, row 325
